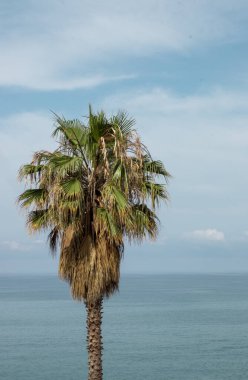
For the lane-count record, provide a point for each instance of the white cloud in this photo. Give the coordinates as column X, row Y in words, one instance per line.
column 63, row 45
column 13, row 245
column 207, row 125
column 209, row 234
column 161, row 101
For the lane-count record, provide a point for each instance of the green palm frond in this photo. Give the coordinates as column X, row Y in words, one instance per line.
column 33, row 196
column 71, row 130
column 98, row 126
column 155, row 167
column 120, row 176
column 155, row 192
column 66, row 164
column 112, row 193
column 30, row 170
column 144, row 222
column 107, row 223
column 121, row 200
column 38, row 220
column 123, row 122
column 72, row 187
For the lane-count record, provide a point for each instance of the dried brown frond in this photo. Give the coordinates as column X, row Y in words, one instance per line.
column 93, row 270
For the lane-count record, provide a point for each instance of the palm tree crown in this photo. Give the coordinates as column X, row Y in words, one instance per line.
column 96, row 189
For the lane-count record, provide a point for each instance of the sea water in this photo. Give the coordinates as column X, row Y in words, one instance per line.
column 163, row 327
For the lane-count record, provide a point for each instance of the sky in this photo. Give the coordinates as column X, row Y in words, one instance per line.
column 180, row 69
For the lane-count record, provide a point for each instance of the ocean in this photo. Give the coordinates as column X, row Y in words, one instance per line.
column 158, row 327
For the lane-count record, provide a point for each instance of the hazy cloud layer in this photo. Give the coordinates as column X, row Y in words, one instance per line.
column 210, row 234
column 55, row 44
column 13, row 245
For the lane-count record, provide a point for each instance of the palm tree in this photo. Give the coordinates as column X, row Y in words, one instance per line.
column 96, row 189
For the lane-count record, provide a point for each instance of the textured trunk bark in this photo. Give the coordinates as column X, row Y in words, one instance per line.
column 94, row 339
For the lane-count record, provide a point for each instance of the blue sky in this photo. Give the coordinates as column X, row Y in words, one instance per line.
column 180, row 69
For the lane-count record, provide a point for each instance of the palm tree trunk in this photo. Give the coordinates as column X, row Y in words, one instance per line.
column 94, row 339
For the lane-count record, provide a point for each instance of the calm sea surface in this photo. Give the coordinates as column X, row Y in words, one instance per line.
column 171, row 327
